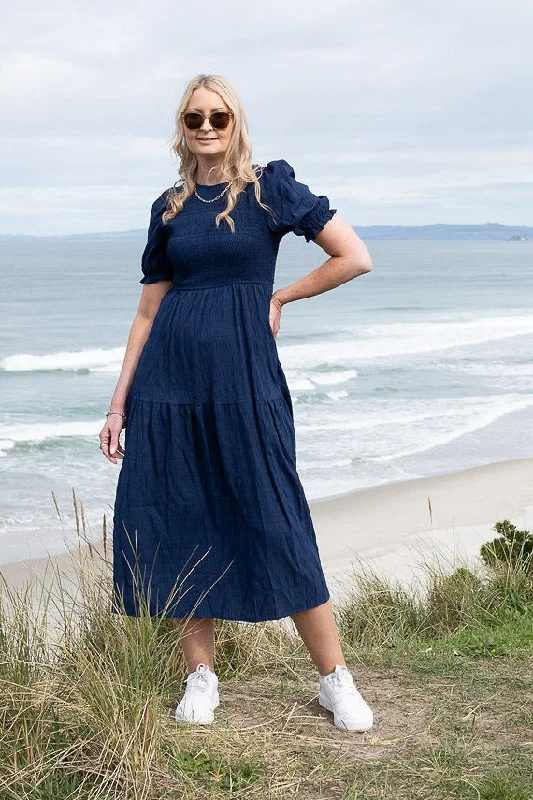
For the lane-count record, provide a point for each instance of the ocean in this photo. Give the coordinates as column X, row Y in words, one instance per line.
column 421, row 367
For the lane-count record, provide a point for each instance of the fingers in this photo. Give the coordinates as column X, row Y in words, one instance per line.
column 118, row 453
column 274, row 329
column 274, row 323
column 110, row 445
column 274, row 319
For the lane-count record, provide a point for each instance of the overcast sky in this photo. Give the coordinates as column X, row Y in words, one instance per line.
column 402, row 112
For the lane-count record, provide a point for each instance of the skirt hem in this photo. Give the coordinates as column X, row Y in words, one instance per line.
column 241, row 618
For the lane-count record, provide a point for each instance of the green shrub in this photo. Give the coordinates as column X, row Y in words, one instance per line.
column 512, row 547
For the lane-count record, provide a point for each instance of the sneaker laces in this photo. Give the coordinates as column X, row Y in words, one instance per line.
column 343, row 677
column 199, row 681
column 344, row 680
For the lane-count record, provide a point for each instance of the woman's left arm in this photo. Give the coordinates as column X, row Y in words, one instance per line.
column 349, row 258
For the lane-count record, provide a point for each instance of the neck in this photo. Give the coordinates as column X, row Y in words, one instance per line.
column 209, row 178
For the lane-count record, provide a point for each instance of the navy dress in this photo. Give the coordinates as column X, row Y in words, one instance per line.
column 210, row 516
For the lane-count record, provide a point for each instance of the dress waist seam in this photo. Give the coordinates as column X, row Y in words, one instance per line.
column 178, row 287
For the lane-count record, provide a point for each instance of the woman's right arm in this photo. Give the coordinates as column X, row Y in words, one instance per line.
column 151, row 297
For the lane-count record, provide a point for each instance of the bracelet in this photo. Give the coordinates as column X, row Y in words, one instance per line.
column 122, row 414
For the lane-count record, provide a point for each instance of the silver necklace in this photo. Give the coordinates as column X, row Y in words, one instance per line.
column 214, row 198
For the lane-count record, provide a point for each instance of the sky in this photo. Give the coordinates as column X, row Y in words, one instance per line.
column 402, row 113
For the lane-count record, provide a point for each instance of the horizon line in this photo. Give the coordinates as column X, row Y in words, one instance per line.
column 143, row 231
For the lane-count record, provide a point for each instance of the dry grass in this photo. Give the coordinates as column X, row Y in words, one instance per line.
column 87, row 697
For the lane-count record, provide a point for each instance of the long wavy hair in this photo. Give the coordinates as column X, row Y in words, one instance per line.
column 237, row 160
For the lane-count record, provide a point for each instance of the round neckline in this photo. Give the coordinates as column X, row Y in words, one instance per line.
column 211, row 185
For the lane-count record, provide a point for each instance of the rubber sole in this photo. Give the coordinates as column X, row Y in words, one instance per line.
column 325, row 703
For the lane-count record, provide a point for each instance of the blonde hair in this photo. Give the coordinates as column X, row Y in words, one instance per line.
column 237, row 160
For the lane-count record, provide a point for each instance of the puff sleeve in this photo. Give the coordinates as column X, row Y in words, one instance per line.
column 296, row 208
column 155, row 263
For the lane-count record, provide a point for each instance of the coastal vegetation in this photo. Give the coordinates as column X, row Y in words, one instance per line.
column 87, row 697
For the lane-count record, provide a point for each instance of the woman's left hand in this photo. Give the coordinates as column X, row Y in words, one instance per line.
column 274, row 316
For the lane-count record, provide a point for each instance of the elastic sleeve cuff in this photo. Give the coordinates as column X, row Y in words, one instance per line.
column 313, row 222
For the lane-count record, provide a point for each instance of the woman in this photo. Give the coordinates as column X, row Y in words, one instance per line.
column 210, row 518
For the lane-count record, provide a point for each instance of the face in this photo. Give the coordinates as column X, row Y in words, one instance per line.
column 208, row 141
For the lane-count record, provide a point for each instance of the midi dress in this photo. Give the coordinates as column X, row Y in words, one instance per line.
column 210, row 516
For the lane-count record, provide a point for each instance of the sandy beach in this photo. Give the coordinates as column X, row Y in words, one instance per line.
column 389, row 527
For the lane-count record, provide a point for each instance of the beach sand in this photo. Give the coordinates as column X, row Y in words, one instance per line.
column 389, row 527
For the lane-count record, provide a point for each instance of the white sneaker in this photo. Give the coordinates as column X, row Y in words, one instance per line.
column 200, row 698
column 338, row 694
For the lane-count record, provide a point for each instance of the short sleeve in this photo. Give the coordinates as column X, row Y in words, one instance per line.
column 155, row 263
column 296, row 208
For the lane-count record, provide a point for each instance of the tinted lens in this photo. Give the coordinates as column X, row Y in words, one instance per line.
column 193, row 121
column 220, row 119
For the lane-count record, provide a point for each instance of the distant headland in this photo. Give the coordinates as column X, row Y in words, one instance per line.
column 437, row 232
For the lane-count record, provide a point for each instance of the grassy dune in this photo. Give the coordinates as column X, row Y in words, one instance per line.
column 87, row 697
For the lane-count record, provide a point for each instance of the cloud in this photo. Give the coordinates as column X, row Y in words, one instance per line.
column 404, row 113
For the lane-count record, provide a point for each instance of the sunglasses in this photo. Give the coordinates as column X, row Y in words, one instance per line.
column 218, row 119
